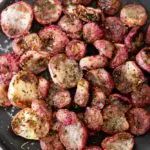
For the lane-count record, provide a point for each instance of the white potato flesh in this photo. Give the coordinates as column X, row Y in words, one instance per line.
column 23, row 89
column 27, row 124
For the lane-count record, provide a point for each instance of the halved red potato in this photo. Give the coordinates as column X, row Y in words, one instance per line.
column 114, row 120
column 83, row 2
column 139, row 121
column 82, row 93
column 54, row 39
column 16, row 19
column 3, row 95
column 128, row 77
column 134, row 39
column 66, row 117
column 8, row 67
column 93, row 118
column 105, row 47
column 93, row 62
column 73, row 136
column 133, row 15
column 23, row 89
column 93, row 148
column 51, row 142
column 120, row 55
column 147, row 40
column 47, row 11
column 28, row 124
column 99, row 98
column 120, row 141
column 76, row 49
column 65, row 72
column 141, row 96
column 102, row 79
column 34, row 61
column 120, row 101
column 43, row 88
column 72, row 26
column 110, row 7
column 61, row 99
column 87, row 14
column 92, row 32
column 115, row 30
column 26, row 43
column 143, row 59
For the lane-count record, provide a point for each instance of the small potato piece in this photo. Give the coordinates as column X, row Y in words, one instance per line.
column 93, row 148
column 139, row 121
column 8, row 67
column 66, row 117
column 93, row 118
column 26, row 43
column 102, row 79
column 72, row 26
column 73, row 136
column 64, row 71
column 147, row 40
column 28, row 124
column 82, row 93
column 93, row 62
column 120, row 101
column 128, row 77
column 34, row 61
column 16, row 19
column 141, row 96
column 110, row 7
column 120, row 141
column 92, row 32
column 54, row 39
column 99, row 98
column 104, row 47
column 133, row 15
column 43, row 88
column 76, row 49
column 51, row 142
column 120, row 56
column 143, row 59
column 23, row 88
column 83, row 2
column 87, row 14
column 115, row 30
column 61, row 99
column 4, row 102
column 47, row 11
column 114, row 120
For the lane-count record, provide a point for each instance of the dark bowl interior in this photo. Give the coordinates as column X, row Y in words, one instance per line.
column 8, row 140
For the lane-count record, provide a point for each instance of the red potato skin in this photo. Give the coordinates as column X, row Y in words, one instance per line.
column 139, row 121
column 110, row 7
column 121, row 55
column 141, row 97
column 99, row 98
column 76, row 49
column 108, row 140
column 92, row 32
column 147, row 40
column 8, row 67
column 93, row 62
column 93, row 118
column 83, row 2
column 93, row 148
column 6, row 29
column 57, row 38
column 45, row 13
column 104, row 47
column 143, row 59
column 43, row 88
column 115, row 30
